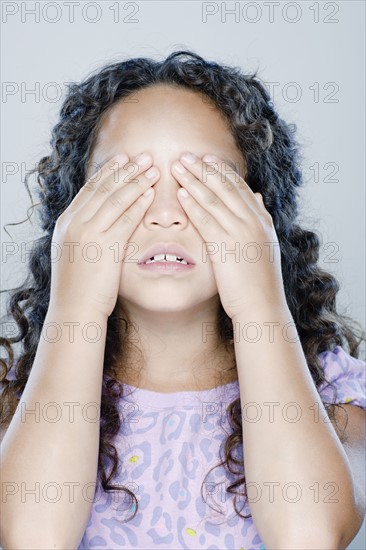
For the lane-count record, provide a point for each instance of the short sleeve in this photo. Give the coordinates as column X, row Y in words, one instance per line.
column 348, row 376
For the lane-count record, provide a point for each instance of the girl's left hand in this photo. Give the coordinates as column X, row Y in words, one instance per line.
column 238, row 231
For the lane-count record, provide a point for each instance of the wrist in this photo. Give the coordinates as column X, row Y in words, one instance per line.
column 265, row 308
column 75, row 312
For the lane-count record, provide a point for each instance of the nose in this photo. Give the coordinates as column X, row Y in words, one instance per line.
column 165, row 209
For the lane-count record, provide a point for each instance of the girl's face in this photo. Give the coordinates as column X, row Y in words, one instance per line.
column 165, row 122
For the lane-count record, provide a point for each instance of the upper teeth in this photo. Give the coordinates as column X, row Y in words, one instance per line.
column 166, row 257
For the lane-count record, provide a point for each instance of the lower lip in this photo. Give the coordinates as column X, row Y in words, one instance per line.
column 166, row 267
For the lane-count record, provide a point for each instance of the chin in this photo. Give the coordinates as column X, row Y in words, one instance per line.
column 166, row 299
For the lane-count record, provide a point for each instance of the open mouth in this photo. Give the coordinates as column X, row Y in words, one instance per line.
column 169, row 258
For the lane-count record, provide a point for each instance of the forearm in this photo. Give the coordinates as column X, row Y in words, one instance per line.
column 287, row 444
column 49, row 454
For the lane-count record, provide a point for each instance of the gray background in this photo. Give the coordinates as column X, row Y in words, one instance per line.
column 314, row 51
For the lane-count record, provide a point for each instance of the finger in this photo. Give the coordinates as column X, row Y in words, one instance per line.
column 91, row 183
column 226, row 182
column 205, row 222
column 231, row 187
column 208, row 200
column 113, row 174
column 115, row 205
column 126, row 224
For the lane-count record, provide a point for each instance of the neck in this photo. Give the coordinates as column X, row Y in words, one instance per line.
column 175, row 351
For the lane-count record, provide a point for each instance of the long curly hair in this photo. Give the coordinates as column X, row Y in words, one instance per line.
column 273, row 168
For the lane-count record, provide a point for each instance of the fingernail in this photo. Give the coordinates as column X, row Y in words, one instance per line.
column 210, row 158
column 189, row 157
column 183, row 193
column 151, row 173
column 143, row 158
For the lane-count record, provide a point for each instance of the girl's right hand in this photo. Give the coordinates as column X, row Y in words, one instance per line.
column 90, row 235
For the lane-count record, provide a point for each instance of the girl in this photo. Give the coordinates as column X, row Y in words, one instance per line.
column 166, row 336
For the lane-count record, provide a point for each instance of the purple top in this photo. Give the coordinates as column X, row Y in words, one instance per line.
column 167, row 443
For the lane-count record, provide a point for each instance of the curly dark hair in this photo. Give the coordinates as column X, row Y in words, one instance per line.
column 273, row 168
